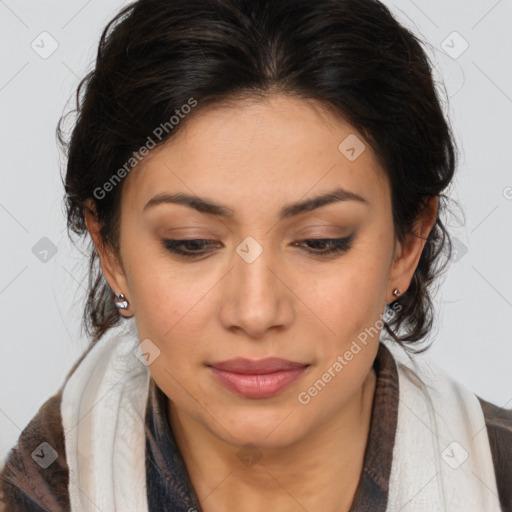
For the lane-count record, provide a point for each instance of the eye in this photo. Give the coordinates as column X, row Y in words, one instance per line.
column 317, row 246
column 188, row 248
column 332, row 245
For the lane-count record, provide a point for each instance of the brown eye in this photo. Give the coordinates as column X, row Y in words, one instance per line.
column 188, row 248
column 331, row 245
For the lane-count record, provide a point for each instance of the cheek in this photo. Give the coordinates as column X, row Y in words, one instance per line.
column 172, row 308
column 161, row 291
column 350, row 305
column 168, row 311
column 350, row 295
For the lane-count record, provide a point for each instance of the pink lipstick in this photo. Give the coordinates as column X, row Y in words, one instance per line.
column 257, row 378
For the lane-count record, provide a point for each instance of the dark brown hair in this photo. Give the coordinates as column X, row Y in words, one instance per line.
column 351, row 55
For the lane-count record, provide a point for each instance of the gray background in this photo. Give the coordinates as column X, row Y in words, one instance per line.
column 41, row 294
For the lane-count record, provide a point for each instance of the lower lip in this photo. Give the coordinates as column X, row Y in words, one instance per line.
column 258, row 386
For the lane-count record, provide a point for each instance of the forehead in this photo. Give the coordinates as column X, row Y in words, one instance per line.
column 250, row 150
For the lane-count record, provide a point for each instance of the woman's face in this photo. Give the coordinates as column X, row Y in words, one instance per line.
column 252, row 291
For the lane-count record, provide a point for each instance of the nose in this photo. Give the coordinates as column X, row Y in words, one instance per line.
column 255, row 296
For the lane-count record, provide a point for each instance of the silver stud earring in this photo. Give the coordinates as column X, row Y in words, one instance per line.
column 121, row 301
column 396, row 292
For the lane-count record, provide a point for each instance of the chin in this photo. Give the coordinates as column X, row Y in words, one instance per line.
column 273, row 429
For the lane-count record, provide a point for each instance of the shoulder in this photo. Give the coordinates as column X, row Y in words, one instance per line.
column 35, row 472
column 498, row 420
column 499, row 428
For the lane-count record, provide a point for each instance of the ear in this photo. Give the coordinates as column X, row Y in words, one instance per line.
column 407, row 255
column 110, row 264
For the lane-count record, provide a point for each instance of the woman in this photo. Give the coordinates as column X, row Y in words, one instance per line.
column 263, row 183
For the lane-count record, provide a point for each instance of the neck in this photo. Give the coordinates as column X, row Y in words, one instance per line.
column 318, row 472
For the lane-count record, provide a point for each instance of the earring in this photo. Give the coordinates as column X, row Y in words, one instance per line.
column 396, row 292
column 121, row 301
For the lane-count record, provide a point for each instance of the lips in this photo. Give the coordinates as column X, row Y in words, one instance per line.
column 257, row 379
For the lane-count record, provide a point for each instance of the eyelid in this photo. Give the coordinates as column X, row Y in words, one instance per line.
column 334, row 230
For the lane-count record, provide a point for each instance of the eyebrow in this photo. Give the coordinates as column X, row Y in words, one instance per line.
column 204, row 205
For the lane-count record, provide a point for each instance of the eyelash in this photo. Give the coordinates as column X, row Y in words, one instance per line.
column 338, row 245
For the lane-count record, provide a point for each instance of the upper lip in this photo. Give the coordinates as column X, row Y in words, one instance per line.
column 260, row 366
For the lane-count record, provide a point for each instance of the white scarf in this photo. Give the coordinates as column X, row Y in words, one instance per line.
column 442, row 459
column 103, row 409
